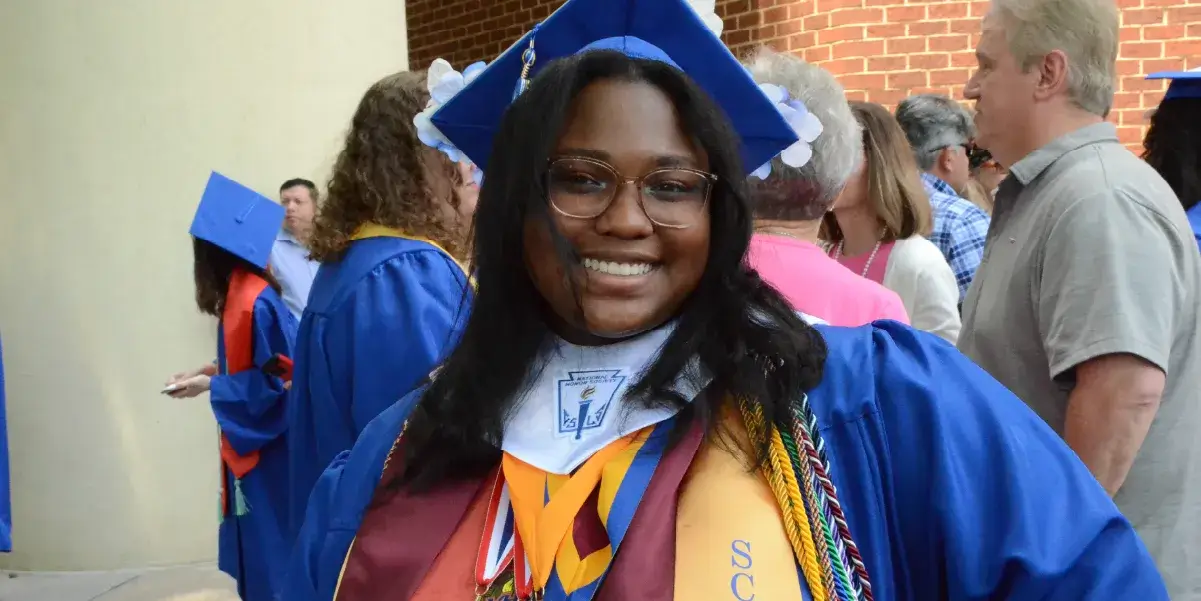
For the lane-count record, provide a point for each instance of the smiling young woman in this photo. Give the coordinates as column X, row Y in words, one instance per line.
column 633, row 414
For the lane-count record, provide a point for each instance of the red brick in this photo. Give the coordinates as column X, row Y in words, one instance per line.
column 1125, row 4
column 800, row 41
column 948, row 43
column 817, row 54
column 1141, row 50
column 1139, row 84
column 891, row 30
column 979, row 9
column 1128, row 67
column 840, row 34
column 801, row 9
column 905, row 45
column 948, row 10
column 888, row 63
column 889, row 98
column 963, row 59
column 949, row 77
column 818, row 21
column 908, row 79
column 1187, row 48
column 855, row 95
column 1194, row 31
column 824, row 6
column 1184, row 14
column 939, row 91
column 1165, row 64
column 1152, row 99
column 901, row 14
column 930, row 61
column 776, row 14
column 1130, row 34
column 865, row 48
column 1163, row 32
column 1147, row 16
column 844, row 66
column 928, row 28
column 863, row 81
column 965, row 26
column 859, row 16
column 1127, row 100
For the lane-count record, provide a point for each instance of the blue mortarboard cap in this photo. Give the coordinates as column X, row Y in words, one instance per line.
column 237, row 219
column 1185, row 84
column 670, row 31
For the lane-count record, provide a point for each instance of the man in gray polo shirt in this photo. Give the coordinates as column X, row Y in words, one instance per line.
column 1086, row 301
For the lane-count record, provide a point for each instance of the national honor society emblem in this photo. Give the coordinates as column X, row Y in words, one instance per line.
column 585, row 398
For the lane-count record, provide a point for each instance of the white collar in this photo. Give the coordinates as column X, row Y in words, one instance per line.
column 576, row 404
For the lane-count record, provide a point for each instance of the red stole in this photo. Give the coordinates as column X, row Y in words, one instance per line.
column 237, row 325
column 405, row 539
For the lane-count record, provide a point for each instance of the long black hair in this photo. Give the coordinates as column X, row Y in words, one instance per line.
column 212, row 268
column 1173, row 147
column 740, row 328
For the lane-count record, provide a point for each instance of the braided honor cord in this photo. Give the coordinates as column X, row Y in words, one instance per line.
column 799, row 475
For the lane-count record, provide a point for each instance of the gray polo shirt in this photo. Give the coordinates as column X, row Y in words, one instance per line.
column 1089, row 253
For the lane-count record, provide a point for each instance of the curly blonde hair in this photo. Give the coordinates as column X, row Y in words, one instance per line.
column 385, row 175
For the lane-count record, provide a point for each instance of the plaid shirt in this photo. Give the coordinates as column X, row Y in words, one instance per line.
column 960, row 228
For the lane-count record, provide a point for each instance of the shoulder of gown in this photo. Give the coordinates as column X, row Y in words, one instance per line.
column 338, row 503
column 954, row 489
column 375, row 258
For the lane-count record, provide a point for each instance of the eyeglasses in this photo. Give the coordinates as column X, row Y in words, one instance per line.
column 584, row 188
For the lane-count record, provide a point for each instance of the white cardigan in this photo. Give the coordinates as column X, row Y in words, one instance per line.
column 919, row 274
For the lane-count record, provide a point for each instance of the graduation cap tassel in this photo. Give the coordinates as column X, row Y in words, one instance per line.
column 241, row 508
column 527, row 58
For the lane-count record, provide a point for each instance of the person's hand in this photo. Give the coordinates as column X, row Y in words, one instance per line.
column 190, row 387
column 208, row 369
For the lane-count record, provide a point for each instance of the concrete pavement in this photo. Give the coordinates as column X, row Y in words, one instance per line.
column 158, row 584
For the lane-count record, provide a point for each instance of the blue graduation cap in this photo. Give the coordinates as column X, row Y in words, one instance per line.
column 1185, row 84
column 671, row 31
column 237, row 219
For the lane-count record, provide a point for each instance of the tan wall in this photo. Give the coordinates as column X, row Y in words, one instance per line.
column 111, row 116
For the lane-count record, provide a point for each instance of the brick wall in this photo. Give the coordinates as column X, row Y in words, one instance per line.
column 881, row 50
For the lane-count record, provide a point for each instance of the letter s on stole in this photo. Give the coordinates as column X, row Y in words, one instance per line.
column 741, row 559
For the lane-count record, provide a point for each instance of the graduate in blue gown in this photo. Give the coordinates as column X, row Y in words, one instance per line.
column 632, row 413
column 390, row 294
column 6, row 512
column 1173, row 142
column 232, row 233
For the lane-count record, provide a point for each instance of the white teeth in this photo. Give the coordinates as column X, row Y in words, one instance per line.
column 612, row 268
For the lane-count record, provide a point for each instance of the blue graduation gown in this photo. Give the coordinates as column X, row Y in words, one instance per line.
column 251, row 410
column 6, row 513
column 378, row 321
column 953, row 489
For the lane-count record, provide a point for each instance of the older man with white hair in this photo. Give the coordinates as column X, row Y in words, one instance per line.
column 940, row 132
column 790, row 201
column 1086, row 303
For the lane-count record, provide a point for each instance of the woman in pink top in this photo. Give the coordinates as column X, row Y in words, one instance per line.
column 790, row 202
column 876, row 227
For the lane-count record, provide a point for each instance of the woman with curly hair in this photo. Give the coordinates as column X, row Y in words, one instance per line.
column 1173, row 143
column 387, row 302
